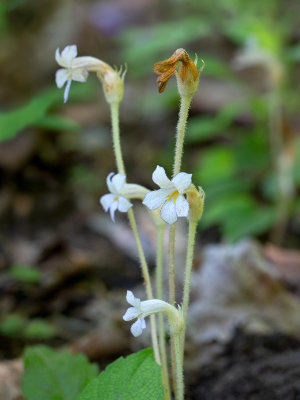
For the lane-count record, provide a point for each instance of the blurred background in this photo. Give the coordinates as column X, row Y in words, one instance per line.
column 64, row 267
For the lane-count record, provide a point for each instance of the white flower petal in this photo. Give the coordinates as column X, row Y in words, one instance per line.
column 107, row 201
column 168, row 212
column 124, row 204
column 118, row 181
column 131, row 314
column 160, row 178
column 137, row 328
column 112, row 209
column 182, row 181
column 156, row 198
column 80, row 75
column 182, row 206
column 67, row 89
column 68, row 54
column 109, row 184
column 61, row 77
column 132, row 300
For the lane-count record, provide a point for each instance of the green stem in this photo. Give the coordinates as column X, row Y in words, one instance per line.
column 187, row 279
column 185, row 103
column 179, row 368
column 114, row 108
column 161, row 326
column 114, row 111
column 183, row 115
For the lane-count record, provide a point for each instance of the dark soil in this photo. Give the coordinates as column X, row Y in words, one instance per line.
column 251, row 368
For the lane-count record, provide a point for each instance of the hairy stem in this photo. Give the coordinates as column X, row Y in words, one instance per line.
column 114, row 107
column 187, row 279
column 161, row 326
column 179, row 368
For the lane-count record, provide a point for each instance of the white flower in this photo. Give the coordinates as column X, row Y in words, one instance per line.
column 141, row 309
column 135, row 312
column 170, row 195
column 70, row 72
column 115, row 200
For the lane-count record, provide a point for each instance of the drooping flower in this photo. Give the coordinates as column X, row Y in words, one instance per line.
column 170, row 195
column 141, row 309
column 187, row 75
column 78, row 68
column 134, row 312
column 115, row 200
column 68, row 73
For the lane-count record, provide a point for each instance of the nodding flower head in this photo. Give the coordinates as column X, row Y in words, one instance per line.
column 187, row 75
column 139, row 310
column 78, row 68
column 115, row 200
column 170, row 195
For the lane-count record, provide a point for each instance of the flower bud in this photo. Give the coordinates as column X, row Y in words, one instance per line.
column 196, row 201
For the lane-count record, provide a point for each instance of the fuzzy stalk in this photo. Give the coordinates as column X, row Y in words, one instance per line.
column 114, row 108
column 187, row 279
column 161, row 326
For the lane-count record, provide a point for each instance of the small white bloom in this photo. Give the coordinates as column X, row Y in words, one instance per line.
column 135, row 312
column 115, row 200
column 170, row 195
column 141, row 309
column 69, row 72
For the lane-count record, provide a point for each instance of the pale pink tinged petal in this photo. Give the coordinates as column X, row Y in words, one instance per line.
column 118, row 181
column 112, row 209
column 131, row 314
column 107, row 201
column 61, row 77
column 67, row 89
column 137, row 328
column 182, row 181
column 182, row 206
column 68, row 54
column 156, row 198
column 132, row 300
column 160, row 178
column 124, row 204
column 168, row 212
column 80, row 75
column 108, row 182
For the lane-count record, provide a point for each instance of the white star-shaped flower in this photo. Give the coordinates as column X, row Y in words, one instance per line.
column 69, row 72
column 135, row 312
column 115, row 200
column 170, row 195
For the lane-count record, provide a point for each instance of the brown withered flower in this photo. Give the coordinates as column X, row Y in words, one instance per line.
column 187, row 72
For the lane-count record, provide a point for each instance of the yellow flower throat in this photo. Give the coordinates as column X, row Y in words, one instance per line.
column 173, row 195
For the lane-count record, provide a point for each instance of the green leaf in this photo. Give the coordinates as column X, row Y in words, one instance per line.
column 25, row 273
column 12, row 325
column 52, row 375
column 57, row 123
column 39, row 329
column 136, row 377
column 32, row 113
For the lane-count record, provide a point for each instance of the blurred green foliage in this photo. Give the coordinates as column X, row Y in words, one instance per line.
column 16, row 325
column 24, row 273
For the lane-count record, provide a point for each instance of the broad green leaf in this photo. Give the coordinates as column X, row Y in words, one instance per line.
column 136, row 377
column 31, row 114
column 203, row 128
column 217, row 163
column 252, row 222
column 53, row 375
